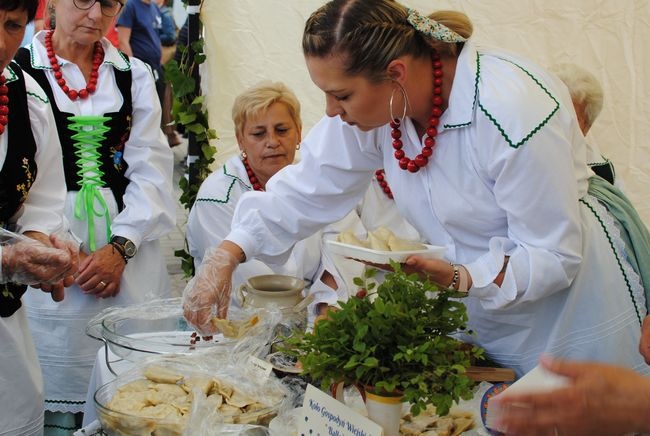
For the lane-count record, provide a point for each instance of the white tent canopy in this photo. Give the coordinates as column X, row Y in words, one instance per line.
column 250, row 40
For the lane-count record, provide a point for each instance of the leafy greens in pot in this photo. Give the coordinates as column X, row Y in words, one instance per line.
column 394, row 339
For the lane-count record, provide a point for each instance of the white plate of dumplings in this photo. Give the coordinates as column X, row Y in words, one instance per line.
column 381, row 246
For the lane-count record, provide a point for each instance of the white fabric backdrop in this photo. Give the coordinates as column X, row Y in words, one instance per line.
column 251, row 40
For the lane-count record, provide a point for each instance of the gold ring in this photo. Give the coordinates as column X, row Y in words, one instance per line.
column 103, row 283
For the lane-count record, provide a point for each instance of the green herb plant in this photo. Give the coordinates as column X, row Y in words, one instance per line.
column 393, row 339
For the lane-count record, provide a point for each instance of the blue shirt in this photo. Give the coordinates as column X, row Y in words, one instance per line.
column 168, row 28
column 145, row 22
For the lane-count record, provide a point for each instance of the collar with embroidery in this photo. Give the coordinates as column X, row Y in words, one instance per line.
column 39, row 59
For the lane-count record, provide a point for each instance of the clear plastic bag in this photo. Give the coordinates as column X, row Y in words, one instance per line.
column 30, row 262
column 216, row 396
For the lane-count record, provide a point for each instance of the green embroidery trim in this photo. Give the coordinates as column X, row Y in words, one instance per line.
column 13, row 77
column 32, row 59
column 536, row 129
column 232, row 184
column 618, row 261
column 478, row 74
column 126, row 62
column 42, row 98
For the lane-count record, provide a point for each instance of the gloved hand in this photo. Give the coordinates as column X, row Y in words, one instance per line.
column 208, row 293
column 28, row 261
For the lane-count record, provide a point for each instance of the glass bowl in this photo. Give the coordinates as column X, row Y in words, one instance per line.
column 119, row 423
column 158, row 327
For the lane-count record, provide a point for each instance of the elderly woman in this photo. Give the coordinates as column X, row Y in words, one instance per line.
column 587, row 97
column 118, row 172
column 268, row 131
column 32, row 195
column 484, row 156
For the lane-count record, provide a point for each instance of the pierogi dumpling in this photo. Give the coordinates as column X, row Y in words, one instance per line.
column 377, row 243
column 349, row 238
column 397, row 244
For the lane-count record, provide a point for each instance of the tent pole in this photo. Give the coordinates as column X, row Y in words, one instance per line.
column 194, row 33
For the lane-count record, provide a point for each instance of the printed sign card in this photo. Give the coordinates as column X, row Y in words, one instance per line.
column 261, row 368
column 323, row 415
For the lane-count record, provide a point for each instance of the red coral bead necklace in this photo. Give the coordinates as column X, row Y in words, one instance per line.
column 381, row 179
column 73, row 94
column 4, row 103
column 252, row 177
column 422, row 159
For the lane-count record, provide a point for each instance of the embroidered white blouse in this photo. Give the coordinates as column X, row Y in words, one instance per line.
column 209, row 221
column 505, row 178
column 149, row 211
column 42, row 210
column 22, row 384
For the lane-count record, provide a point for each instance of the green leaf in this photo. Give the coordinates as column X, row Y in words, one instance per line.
column 186, row 118
column 198, row 100
column 371, row 362
column 402, row 340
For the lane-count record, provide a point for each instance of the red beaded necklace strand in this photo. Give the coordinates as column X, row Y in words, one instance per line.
column 422, row 159
column 381, row 179
column 252, row 177
column 98, row 57
column 4, row 103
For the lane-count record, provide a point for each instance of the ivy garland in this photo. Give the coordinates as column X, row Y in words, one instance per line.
column 188, row 110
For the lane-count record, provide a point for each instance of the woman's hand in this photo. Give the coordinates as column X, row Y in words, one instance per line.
column 35, row 260
column 208, row 293
column 56, row 289
column 100, row 272
column 436, row 270
column 601, row 399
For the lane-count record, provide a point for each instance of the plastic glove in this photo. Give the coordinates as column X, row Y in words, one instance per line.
column 28, row 261
column 208, row 293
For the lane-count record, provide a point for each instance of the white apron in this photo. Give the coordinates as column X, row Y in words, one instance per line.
column 513, row 336
column 21, row 396
column 66, row 354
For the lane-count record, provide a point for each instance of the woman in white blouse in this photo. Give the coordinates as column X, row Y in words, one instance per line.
column 483, row 155
column 268, row 130
column 118, row 170
column 32, row 194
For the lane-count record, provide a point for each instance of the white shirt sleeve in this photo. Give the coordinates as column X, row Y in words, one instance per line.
column 42, row 211
column 337, row 166
column 540, row 200
column 149, row 208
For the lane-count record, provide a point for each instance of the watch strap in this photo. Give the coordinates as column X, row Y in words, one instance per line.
column 122, row 245
column 120, row 249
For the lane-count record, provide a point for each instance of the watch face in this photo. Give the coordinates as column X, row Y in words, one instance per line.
column 129, row 248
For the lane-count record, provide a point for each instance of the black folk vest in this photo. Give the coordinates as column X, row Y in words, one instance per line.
column 111, row 161
column 16, row 176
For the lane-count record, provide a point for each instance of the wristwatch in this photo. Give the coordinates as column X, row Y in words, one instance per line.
column 125, row 246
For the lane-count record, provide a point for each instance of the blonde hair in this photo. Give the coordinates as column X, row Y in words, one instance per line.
column 258, row 98
column 456, row 21
column 584, row 88
column 369, row 34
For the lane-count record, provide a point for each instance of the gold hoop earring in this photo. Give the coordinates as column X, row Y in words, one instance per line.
column 405, row 97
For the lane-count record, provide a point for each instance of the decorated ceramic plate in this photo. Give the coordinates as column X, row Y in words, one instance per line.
column 382, row 257
column 495, row 389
